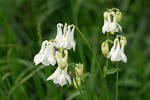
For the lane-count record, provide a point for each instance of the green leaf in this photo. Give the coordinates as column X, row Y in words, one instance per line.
column 111, row 71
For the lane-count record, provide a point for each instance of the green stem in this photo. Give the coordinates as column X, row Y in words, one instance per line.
column 39, row 33
column 116, row 98
column 72, row 70
column 105, row 71
column 107, row 36
column 83, row 37
column 94, row 55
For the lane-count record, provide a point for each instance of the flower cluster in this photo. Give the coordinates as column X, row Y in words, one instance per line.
column 111, row 26
column 57, row 51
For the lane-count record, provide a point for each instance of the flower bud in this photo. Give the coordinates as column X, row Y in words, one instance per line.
column 125, row 41
column 79, row 69
column 105, row 48
column 79, row 72
column 118, row 16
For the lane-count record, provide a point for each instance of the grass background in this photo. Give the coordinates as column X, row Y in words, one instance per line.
column 22, row 20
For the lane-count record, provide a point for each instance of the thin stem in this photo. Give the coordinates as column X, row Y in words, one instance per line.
column 105, row 71
column 83, row 37
column 107, row 36
column 116, row 98
column 94, row 55
column 72, row 70
column 39, row 31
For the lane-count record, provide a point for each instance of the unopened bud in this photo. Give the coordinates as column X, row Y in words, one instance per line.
column 105, row 48
column 125, row 41
column 118, row 16
column 79, row 69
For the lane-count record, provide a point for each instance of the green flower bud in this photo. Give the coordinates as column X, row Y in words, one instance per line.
column 79, row 69
column 79, row 72
column 125, row 41
column 118, row 16
column 105, row 48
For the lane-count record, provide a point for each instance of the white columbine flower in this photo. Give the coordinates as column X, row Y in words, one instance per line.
column 114, row 26
column 107, row 22
column 46, row 54
column 65, row 37
column 116, row 53
column 60, row 76
column 112, row 49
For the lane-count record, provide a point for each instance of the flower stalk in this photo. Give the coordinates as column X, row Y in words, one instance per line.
column 111, row 26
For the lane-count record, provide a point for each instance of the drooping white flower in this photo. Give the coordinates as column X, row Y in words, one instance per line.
column 38, row 58
column 65, row 37
column 114, row 26
column 70, row 38
column 49, row 55
column 116, row 53
column 107, row 22
column 111, row 26
column 59, row 36
column 60, row 76
column 112, row 49
column 46, row 54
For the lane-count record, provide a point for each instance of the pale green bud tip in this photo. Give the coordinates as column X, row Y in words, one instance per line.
column 105, row 48
column 79, row 72
column 118, row 16
column 125, row 41
column 79, row 69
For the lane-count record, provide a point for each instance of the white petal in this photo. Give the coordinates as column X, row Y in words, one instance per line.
column 45, row 61
column 50, row 54
column 73, row 43
column 38, row 58
column 58, row 38
column 120, row 28
column 62, row 80
column 116, row 55
column 123, row 56
column 65, row 28
column 112, row 49
column 55, row 74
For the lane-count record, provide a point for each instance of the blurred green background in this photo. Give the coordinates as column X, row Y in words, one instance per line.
column 22, row 20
